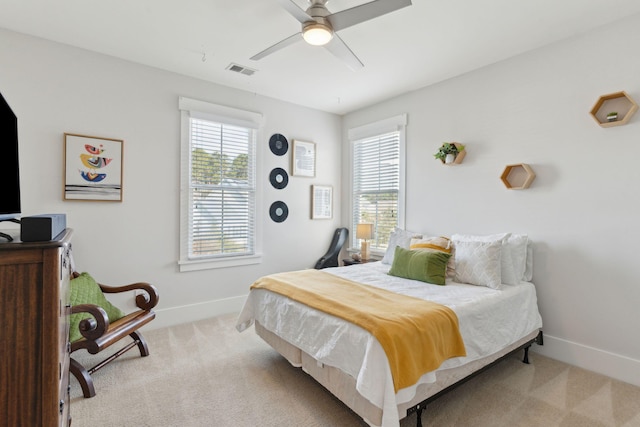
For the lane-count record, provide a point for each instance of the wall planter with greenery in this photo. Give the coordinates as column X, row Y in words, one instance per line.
column 450, row 153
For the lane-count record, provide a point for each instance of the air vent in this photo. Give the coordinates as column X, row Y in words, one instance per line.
column 240, row 69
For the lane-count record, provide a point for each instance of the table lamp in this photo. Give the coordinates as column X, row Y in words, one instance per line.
column 364, row 232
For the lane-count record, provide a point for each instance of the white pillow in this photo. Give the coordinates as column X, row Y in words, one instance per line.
column 528, row 271
column 517, row 245
column 398, row 237
column 478, row 263
column 508, row 274
column 476, row 238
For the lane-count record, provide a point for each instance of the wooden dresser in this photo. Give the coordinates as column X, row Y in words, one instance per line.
column 34, row 342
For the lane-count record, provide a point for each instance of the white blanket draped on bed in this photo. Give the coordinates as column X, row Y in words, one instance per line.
column 489, row 321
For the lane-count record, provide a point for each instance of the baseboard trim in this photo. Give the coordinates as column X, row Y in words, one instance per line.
column 592, row 359
column 172, row 316
column 603, row 362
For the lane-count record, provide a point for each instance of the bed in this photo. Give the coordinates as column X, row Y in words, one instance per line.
column 350, row 361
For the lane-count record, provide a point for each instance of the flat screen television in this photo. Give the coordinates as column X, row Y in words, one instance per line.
column 9, row 167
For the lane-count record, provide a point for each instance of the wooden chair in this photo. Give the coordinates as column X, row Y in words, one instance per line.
column 98, row 334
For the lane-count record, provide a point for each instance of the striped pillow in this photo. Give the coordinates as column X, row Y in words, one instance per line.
column 439, row 243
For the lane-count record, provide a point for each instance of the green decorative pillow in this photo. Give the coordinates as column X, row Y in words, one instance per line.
column 426, row 266
column 85, row 290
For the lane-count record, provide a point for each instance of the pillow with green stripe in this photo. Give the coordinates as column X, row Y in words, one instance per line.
column 426, row 266
column 85, row 290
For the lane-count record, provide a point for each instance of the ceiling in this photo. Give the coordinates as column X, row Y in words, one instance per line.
column 419, row 45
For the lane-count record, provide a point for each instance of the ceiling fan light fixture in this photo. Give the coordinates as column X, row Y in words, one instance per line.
column 317, row 34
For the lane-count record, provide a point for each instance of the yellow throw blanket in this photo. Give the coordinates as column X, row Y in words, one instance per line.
column 416, row 335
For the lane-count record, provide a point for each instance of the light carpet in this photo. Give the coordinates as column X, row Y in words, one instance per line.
column 207, row 374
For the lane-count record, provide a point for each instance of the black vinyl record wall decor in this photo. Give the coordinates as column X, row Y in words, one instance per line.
column 278, row 144
column 279, row 178
column 278, row 211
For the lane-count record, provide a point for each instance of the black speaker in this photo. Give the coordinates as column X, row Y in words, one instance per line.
column 42, row 228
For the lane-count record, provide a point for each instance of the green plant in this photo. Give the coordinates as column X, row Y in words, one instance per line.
column 613, row 113
column 448, row 148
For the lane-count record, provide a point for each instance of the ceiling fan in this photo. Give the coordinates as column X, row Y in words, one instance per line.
column 319, row 26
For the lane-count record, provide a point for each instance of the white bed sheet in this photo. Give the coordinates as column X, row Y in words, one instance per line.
column 489, row 320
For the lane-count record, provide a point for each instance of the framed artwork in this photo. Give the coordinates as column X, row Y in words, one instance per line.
column 321, row 202
column 92, row 168
column 303, row 159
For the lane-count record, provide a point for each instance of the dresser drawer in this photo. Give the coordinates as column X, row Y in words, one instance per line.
column 63, row 339
column 34, row 309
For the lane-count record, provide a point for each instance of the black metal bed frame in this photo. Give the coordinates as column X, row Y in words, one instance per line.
column 422, row 405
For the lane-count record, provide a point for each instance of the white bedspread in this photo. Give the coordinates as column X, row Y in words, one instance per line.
column 489, row 321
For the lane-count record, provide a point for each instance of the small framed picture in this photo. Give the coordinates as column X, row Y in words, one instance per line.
column 321, row 202
column 92, row 168
column 303, row 159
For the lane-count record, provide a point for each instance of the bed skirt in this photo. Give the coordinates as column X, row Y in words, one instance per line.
column 343, row 386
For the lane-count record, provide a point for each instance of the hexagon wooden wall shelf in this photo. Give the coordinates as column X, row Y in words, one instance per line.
column 619, row 102
column 518, row 176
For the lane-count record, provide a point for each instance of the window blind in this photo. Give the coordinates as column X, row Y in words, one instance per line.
column 221, row 190
column 376, row 185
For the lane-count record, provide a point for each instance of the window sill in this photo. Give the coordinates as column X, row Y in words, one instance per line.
column 206, row 264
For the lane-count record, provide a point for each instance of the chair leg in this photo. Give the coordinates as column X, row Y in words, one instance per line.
column 141, row 342
column 83, row 377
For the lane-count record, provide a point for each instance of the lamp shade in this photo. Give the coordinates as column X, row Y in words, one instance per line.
column 364, row 231
column 317, row 34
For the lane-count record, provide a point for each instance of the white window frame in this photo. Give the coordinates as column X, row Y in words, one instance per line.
column 392, row 124
column 217, row 113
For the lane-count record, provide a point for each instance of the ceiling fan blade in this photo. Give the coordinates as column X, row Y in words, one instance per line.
column 276, row 47
column 295, row 10
column 364, row 12
column 340, row 49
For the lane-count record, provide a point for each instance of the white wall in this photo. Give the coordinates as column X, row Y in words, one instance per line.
column 582, row 210
column 55, row 88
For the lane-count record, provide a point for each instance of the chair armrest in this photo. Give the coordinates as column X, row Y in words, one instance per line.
column 145, row 301
column 93, row 327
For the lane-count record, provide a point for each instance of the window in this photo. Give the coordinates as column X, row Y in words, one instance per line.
column 218, row 191
column 377, row 154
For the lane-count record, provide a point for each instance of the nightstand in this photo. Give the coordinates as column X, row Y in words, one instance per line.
column 348, row 261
